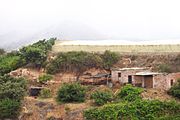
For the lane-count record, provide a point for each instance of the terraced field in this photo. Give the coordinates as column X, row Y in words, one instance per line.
column 59, row 47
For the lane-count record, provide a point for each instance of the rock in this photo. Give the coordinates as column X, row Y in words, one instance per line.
column 41, row 104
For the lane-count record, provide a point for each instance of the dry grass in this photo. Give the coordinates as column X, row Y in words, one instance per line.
column 118, row 48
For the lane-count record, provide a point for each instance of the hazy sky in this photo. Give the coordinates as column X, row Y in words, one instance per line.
column 115, row 19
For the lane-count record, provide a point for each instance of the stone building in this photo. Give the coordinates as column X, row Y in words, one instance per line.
column 143, row 77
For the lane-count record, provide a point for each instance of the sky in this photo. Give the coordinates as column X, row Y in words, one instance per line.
column 24, row 20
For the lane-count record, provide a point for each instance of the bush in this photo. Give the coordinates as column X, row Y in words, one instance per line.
column 9, row 108
column 164, row 68
column 130, row 93
column 109, row 59
column 12, row 88
column 45, row 93
column 136, row 110
column 36, row 53
column 9, row 63
column 44, row 78
column 102, row 97
column 2, row 51
column 72, row 92
column 175, row 90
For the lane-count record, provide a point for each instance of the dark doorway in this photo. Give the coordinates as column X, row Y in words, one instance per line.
column 172, row 82
column 130, row 79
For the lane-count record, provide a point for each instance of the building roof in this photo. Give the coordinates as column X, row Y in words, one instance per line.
column 147, row 73
column 132, row 68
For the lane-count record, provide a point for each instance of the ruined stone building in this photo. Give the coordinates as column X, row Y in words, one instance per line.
column 143, row 77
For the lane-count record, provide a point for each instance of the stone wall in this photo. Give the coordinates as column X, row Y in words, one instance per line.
column 163, row 81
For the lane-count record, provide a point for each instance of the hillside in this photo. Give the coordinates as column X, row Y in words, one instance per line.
column 68, row 87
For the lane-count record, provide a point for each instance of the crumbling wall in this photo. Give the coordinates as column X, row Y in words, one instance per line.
column 163, row 81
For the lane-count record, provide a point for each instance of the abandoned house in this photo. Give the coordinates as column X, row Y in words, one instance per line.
column 143, row 77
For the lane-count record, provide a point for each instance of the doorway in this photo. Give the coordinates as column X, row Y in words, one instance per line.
column 129, row 79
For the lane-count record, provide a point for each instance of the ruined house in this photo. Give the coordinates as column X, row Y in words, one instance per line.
column 144, row 77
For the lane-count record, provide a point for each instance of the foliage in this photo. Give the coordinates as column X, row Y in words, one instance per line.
column 10, row 62
column 136, row 110
column 81, row 61
column 175, row 90
column 37, row 52
column 102, row 97
column 9, row 108
column 77, row 62
column 44, row 78
column 12, row 88
column 71, row 92
column 2, row 51
column 164, row 68
column 130, row 93
column 109, row 58
column 45, row 93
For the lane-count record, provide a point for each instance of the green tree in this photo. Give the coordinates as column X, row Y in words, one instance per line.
column 109, row 59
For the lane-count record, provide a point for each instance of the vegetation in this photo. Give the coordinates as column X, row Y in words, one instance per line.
column 164, row 68
column 12, row 91
column 130, row 93
column 136, row 110
column 132, row 107
column 79, row 62
column 109, row 58
column 175, row 90
column 10, row 62
column 44, row 78
column 12, row 88
column 9, row 108
column 36, row 53
column 102, row 97
column 71, row 92
column 45, row 93
column 2, row 51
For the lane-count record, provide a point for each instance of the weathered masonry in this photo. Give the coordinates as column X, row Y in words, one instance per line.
column 143, row 77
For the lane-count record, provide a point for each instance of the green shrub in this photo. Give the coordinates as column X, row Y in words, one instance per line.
column 175, row 90
column 44, row 78
column 164, row 68
column 45, row 93
column 130, row 93
column 136, row 110
column 102, row 97
column 12, row 88
column 9, row 108
column 9, row 63
column 71, row 92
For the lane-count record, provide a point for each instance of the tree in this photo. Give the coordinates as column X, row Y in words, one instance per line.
column 109, row 58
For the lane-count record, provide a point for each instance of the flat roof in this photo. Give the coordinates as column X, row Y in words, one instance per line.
column 147, row 73
column 132, row 68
